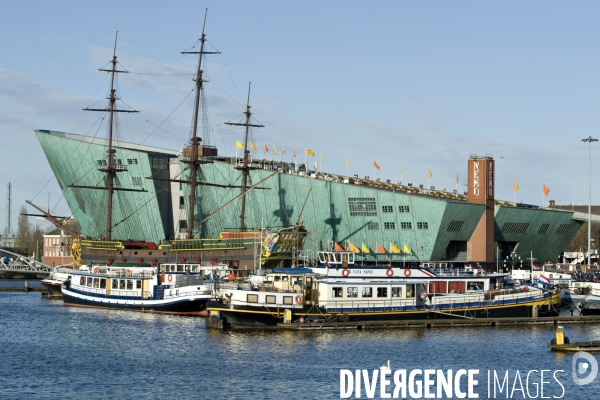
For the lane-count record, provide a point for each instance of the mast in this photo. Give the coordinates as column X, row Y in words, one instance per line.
column 245, row 168
column 194, row 161
column 111, row 171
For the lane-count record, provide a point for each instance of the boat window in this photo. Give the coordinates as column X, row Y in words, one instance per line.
column 367, row 292
column 288, row 300
column 352, row 292
column 297, row 280
column 456, row 287
column 410, row 290
column 102, row 283
column 437, row 287
column 351, row 258
column 89, row 282
column 337, row 292
column 271, row 299
column 195, row 268
column 382, row 292
column 277, row 278
column 96, row 282
column 472, row 286
column 396, row 292
column 322, row 258
column 129, row 284
column 82, row 281
column 122, row 284
column 285, row 279
column 138, row 284
column 180, row 268
column 115, row 283
column 331, row 257
column 336, row 257
column 252, row 298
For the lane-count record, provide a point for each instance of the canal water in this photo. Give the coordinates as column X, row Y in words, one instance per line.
column 50, row 351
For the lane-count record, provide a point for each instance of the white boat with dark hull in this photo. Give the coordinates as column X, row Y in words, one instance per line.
column 56, row 279
column 174, row 289
column 584, row 293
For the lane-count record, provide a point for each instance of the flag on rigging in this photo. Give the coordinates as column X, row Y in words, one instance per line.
column 353, row 248
column 274, row 150
column 394, row 249
column 376, row 165
column 283, row 151
column 546, row 190
column 253, row 146
column 365, row 249
column 266, row 148
column 338, row 247
column 406, row 249
column 309, row 152
column 380, row 249
column 239, row 144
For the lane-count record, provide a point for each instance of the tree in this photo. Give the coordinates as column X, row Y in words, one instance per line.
column 24, row 237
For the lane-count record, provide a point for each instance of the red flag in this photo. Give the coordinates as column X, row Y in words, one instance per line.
column 380, row 249
column 375, row 165
column 266, row 148
column 338, row 247
column 546, row 190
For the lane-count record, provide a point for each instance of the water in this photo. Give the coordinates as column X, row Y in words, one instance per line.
column 50, row 351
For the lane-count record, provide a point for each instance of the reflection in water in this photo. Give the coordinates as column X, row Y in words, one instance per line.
column 52, row 351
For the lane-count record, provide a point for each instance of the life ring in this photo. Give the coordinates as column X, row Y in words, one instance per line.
column 327, row 265
column 170, row 278
column 423, row 296
column 299, row 299
column 96, row 270
column 526, row 289
column 128, row 273
column 406, row 272
column 389, row 272
column 345, row 272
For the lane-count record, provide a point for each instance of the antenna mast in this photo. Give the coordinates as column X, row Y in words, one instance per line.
column 110, row 170
column 8, row 229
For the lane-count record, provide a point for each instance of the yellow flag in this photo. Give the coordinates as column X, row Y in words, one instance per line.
column 515, row 186
column 239, row 144
column 309, row 152
column 401, row 169
column 394, row 249
column 353, row 248
column 430, row 175
column 253, row 146
column 406, row 249
column 283, row 151
column 274, row 149
column 348, row 160
column 365, row 249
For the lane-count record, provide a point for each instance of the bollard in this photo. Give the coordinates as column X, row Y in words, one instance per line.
column 26, row 287
column 560, row 335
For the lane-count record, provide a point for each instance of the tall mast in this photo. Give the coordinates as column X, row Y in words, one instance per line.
column 194, row 162
column 245, row 168
column 111, row 171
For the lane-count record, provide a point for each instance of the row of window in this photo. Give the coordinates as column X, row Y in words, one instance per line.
column 270, row 299
column 390, row 209
column 392, row 225
column 367, row 292
column 118, row 161
column 119, row 284
column 521, row 227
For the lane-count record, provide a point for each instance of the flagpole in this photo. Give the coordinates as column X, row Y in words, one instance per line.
column 428, row 170
column 347, row 168
column 401, row 173
column 514, row 193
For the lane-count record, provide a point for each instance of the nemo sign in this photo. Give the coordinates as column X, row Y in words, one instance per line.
column 481, row 179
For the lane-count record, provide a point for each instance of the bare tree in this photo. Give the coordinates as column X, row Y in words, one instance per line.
column 24, row 239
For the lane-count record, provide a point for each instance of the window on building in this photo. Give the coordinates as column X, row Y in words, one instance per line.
column 563, row 229
column 389, row 225
column 387, row 209
column 367, row 292
column 362, row 206
column 403, row 209
column 373, row 225
column 132, row 161
column 182, row 225
column 422, row 225
column 455, row 226
column 181, row 202
column 136, row 181
column 544, row 228
column 382, row 292
column 406, row 225
column 515, row 227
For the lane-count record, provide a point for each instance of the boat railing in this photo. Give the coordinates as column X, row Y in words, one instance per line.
column 360, row 306
column 174, row 293
column 441, row 271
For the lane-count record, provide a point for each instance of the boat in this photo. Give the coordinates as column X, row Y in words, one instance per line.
column 181, row 289
column 58, row 276
column 583, row 292
column 236, row 246
column 299, row 295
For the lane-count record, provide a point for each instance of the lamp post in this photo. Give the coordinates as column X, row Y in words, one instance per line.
column 513, row 260
column 589, row 140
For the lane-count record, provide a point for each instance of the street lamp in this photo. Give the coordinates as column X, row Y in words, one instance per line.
column 589, row 140
column 513, row 260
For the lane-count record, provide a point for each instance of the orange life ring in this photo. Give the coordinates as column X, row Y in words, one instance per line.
column 389, row 272
column 423, row 296
column 96, row 270
column 406, row 272
column 526, row 289
column 299, row 299
column 170, row 278
column 345, row 272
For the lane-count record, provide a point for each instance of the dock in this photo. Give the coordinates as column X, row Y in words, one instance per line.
column 219, row 323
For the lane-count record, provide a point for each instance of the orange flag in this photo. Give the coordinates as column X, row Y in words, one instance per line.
column 293, row 152
column 380, row 249
column 375, row 165
column 546, row 190
column 266, row 148
column 457, row 177
column 338, row 247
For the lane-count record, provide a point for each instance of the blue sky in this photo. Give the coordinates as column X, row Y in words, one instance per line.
column 425, row 84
